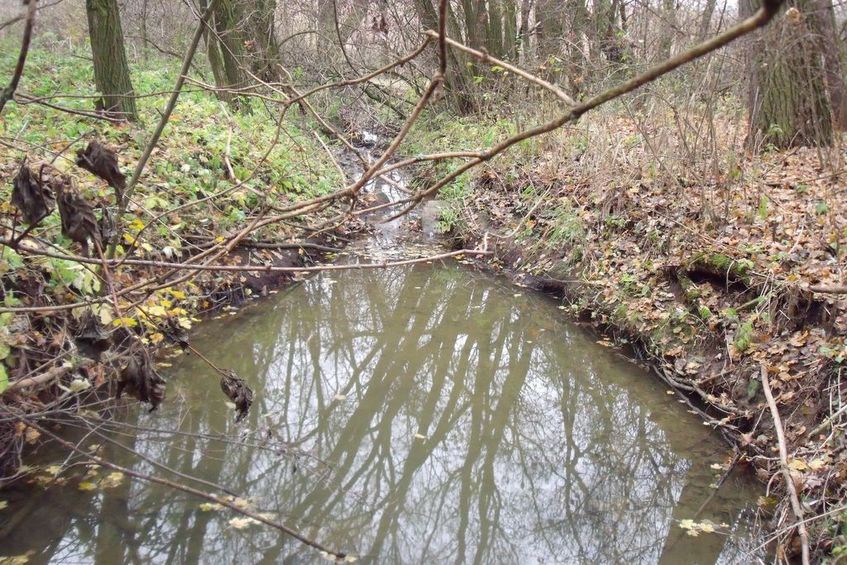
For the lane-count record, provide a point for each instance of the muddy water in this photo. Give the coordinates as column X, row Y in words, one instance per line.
column 418, row 415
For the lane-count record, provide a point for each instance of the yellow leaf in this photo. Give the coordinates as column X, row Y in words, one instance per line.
column 136, row 225
column 31, row 435
column 125, row 322
column 86, row 486
column 157, row 337
column 177, row 294
column 21, row 559
column 817, row 464
column 112, row 480
column 797, row 465
column 4, row 504
column 157, row 311
column 210, row 506
column 241, row 523
column 219, row 239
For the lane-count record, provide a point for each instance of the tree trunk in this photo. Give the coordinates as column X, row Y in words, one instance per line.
column 525, row 42
column 111, row 72
column 510, row 28
column 458, row 82
column 144, row 39
column 706, row 19
column 788, row 100
column 822, row 22
column 231, row 37
column 668, row 29
column 265, row 49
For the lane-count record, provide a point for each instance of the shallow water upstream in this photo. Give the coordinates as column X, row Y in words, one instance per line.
column 430, row 414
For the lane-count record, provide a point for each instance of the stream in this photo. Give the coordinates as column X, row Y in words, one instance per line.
column 422, row 414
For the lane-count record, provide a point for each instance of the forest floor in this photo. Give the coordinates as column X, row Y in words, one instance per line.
column 714, row 282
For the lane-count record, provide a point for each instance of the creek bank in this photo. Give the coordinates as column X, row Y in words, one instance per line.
column 708, row 313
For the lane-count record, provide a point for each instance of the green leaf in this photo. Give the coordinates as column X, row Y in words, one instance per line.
column 4, row 378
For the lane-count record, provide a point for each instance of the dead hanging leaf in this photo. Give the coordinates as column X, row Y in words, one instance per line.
column 141, row 380
column 237, row 390
column 30, row 196
column 103, row 162
column 78, row 221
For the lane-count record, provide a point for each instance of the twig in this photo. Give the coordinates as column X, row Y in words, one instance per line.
column 9, row 91
column 37, row 380
column 829, row 289
column 786, row 474
column 486, row 58
column 246, row 268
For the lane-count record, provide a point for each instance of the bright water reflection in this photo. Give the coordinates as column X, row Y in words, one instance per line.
column 437, row 417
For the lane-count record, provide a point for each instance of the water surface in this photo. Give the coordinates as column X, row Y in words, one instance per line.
column 427, row 414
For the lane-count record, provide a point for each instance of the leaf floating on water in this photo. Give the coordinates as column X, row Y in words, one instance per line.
column 79, row 385
column 21, row 559
column 25, row 469
column 238, row 502
column 112, row 480
column 241, row 523
column 53, row 470
column 31, row 435
column 210, row 507
column 694, row 529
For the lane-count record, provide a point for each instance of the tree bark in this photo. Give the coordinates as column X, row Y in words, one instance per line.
column 706, row 19
column 265, row 49
column 788, row 99
column 111, row 72
column 458, row 82
column 822, row 22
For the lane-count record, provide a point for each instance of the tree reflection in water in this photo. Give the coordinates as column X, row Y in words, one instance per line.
column 433, row 416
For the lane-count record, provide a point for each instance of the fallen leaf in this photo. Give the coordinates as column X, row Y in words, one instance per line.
column 241, row 523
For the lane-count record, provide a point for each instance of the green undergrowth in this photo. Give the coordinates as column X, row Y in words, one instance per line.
column 204, row 144
column 206, row 149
